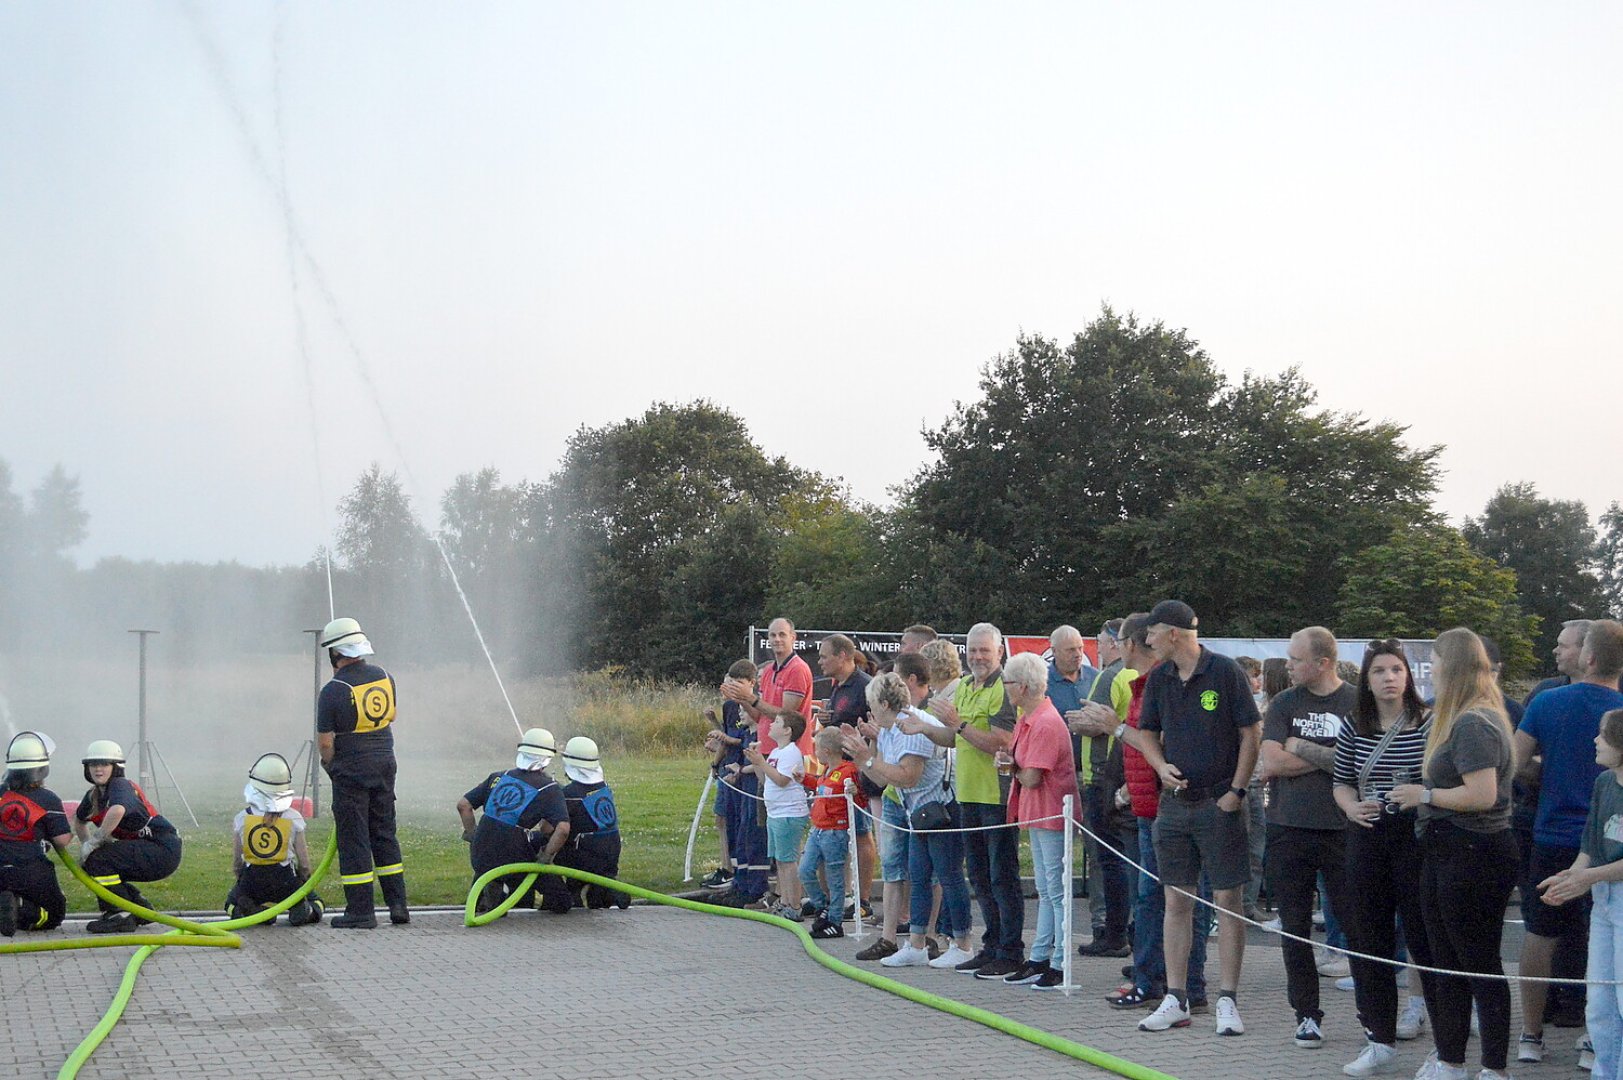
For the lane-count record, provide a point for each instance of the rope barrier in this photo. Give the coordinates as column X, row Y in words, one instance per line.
column 985, row 1017
column 877, row 820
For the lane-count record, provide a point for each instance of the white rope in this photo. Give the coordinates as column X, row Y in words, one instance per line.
column 1350, row 953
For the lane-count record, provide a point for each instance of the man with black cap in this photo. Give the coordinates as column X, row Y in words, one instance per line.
column 354, row 716
column 1200, row 730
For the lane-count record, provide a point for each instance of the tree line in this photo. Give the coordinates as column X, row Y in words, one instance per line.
column 1088, row 478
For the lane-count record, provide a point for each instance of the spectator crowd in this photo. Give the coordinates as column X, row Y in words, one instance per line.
column 1201, row 784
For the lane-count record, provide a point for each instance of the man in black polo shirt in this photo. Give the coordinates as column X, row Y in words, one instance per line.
column 848, row 705
column 1199, row 729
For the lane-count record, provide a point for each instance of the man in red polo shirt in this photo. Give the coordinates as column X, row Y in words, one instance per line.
column 786, row 687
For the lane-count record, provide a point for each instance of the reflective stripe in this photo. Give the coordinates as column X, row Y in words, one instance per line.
column 385, row 871
column 110, row 879
column 356, row 879
column 44, row 917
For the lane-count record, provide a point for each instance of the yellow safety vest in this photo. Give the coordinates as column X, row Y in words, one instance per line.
column 374, row 705
column 266, row 841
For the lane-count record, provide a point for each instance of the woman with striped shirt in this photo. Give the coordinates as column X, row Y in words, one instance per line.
column 1383, row 747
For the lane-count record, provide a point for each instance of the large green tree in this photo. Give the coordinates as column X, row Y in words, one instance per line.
column 1550, row 545
column 1609, row 559
column 1422, row 581
column 1093, row 478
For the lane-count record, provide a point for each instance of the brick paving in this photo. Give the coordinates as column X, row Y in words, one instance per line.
column 650, row 992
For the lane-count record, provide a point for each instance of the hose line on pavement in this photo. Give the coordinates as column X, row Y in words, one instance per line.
column 184, row 932
column 990, row 1019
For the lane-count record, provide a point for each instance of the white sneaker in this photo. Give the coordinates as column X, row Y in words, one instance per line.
column 1530, row 1048
column 1169, row 1014
column 951, row 958
column 1228, row 1017
column 1412, row 1021
column 1308, row 1036
column 907, row 956
column 1333, row 965
column 1345, row 983
column 1586, row 1052
column 1492, row 1074
column 1428, row 1068
column 1377, row 1057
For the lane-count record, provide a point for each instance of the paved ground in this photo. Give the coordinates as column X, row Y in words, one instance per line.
column 650, row 992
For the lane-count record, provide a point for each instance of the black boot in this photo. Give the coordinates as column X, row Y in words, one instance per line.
column 394, row 894
column 358, row 914
column 8, row 914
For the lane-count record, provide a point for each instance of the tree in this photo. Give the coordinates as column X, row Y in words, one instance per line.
column 1093, row 479
column 828, row 568
column 630, row 505
column 1422, row 581
column 1550, row 545
column 480, row 525
column 57, row 521
column 1609, row 559
column 393, row 571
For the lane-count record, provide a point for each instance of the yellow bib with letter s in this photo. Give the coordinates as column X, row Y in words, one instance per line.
column 266, row 841
column 374, row 705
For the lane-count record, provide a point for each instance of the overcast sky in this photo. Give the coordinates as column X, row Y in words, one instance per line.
column 823, row 217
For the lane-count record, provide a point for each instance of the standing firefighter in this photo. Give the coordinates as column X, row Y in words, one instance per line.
column 30, row 815
column 353, row 718
column 132, row 841
column 594, row 825
column 271, row 859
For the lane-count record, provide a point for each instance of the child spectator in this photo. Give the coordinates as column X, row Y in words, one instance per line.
column 725, row 742
column 830, row 833
column 523, row 807
column 269, row 853
column 594, row 825
column 786, row 816
column 1599, row 867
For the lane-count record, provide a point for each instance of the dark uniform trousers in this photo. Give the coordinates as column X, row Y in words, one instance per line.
column 364, row 822
column 40, row 902
column 118, row 863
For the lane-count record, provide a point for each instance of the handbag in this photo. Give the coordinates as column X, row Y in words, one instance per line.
column 929, row 817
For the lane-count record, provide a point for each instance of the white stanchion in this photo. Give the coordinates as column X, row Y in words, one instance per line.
column 856, row 869
column 1065, row 877
column 693, row 830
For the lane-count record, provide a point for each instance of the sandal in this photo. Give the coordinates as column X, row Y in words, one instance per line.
column 1129, row 997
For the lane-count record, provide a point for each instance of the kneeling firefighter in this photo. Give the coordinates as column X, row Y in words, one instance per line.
column 31, row 816
column 525, row 820
column 355, row 737
column 594, row 825
column 132, row 841
column 272, row 859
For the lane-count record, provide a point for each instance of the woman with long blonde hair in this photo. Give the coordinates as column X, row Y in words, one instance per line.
column 1470, row 856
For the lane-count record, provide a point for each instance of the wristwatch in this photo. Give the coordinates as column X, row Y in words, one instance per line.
column 1237, row 792
column 869, row 763
column 1118, row 732
column 1425, row 796
column 961, row 726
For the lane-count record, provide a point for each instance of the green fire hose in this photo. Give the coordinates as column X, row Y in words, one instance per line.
column 990, row 1019
column 184, row 932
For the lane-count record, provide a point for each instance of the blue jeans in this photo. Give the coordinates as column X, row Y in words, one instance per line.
column 1048, row 867
column 992, row 857
column 826, row 848
column 1604, row 1009
column 1149, row 962
column 940, row 854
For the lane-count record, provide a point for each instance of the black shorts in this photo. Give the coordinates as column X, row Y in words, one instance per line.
column 1541, row 918
column 1195, row 836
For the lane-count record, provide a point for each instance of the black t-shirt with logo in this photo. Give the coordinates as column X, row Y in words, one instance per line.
column 1308, row 801
column 1200, row 720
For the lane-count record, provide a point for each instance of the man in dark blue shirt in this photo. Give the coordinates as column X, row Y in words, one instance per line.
column 354, row 719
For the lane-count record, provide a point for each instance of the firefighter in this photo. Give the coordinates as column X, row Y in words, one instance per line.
column 355, row 737
column 594, row 825
column 31, row 816
column 525, row 820
column 131, row 841
column 271, row 858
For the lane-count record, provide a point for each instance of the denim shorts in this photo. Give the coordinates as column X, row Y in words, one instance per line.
column 893, row 841
column 784, row 836
column 1195, row 836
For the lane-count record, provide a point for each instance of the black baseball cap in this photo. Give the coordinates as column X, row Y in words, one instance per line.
column 1174, row 613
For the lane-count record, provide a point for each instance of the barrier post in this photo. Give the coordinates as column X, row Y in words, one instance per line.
column 693, row 830
column 1070, row 854
column 856, row 869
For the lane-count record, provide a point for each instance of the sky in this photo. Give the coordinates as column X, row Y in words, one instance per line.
column 508, row 221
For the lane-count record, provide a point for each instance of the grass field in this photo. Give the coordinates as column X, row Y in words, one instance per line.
column 655, row 795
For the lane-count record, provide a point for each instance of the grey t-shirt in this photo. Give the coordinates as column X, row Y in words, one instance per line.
column 1307, row 801
column 1476, row 742
column 1603, row 829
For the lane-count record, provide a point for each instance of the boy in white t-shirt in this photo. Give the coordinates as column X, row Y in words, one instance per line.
column 786, row 811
